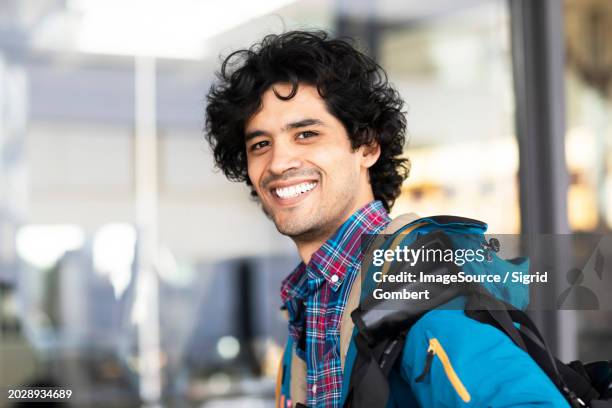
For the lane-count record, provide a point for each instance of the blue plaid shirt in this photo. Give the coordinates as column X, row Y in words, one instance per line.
column 315, row 295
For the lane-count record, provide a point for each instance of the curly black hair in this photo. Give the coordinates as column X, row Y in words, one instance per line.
column 354, row 87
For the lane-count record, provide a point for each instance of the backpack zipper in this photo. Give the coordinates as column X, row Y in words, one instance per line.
column 436, row 349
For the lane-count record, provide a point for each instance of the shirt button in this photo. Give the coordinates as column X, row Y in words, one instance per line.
column 334, row 278
column 314, row 389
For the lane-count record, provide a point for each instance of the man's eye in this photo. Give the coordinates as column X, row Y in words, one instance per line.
column 259, row 145
column 306, row 134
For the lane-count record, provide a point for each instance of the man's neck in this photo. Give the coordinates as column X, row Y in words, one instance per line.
column 307, row 248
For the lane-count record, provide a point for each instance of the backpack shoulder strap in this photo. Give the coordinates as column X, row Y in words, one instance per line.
column 577, row 387
column 346, row 323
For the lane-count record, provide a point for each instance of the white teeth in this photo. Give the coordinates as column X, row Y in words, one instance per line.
column 294, row 191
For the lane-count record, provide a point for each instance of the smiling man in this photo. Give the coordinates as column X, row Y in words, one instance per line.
column 315, row 129
column 303, row 168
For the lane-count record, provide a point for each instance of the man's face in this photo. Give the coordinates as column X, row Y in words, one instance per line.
column 300, row 161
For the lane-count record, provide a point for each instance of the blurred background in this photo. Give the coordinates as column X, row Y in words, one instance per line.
column 135, row 275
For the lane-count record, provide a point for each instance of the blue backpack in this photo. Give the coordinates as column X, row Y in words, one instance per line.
column 383, row 326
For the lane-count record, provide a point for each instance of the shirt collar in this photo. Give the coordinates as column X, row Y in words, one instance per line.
column 339, row 254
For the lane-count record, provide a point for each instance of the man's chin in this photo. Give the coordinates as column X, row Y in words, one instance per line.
column 284, row 217
column 291, row 228
column 294, row 222
column 297, row 228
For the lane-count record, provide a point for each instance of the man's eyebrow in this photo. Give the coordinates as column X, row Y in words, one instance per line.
column 302, row 123
column 250, row 135
column 292, row 125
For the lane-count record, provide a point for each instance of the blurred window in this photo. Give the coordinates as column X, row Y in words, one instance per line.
column 454, row 70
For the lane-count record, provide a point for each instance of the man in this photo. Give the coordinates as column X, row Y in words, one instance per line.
column 317, row 132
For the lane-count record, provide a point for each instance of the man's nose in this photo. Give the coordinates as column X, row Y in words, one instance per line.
column 284, row 158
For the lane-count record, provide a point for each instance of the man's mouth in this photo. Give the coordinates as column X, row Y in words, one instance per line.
column 293, row 191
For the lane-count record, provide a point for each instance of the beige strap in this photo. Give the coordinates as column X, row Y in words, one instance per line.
column 346, row 323
column 298, row 379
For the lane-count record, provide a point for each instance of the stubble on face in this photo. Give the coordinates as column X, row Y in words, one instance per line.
column 323, row 217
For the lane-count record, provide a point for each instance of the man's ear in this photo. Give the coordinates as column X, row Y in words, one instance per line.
column 370, row 153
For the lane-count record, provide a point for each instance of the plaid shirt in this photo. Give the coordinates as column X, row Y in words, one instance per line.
column 315, row 295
